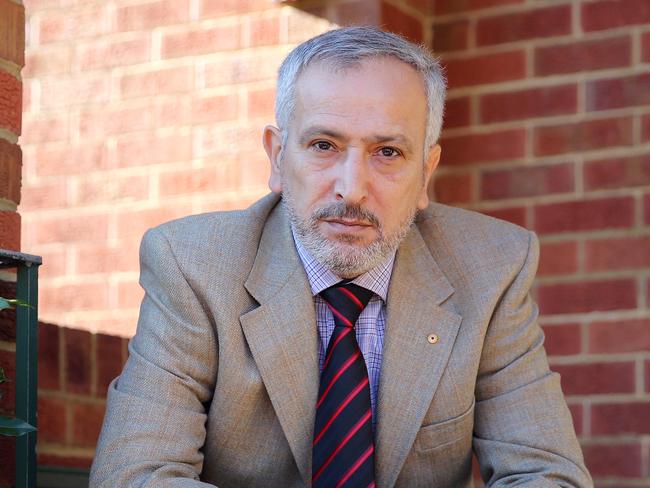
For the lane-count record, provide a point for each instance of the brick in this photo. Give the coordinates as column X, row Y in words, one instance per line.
column 577, row 415
column 617, row 253
column 10, row 230
column 12, row 29
column 587, row 296
column 188, row 182
column 583, row 56
column 562, row 339
column 516, row 215
column 457, row 112
column 70, row 159
column 129, row 295
column 8, row 456
column 106, row 259
column 645, row 128
column 11, row 102
column 647, row 376
column 529, row 24
column 596, row 378
column 479, row 70
column 529, row 103
column 451, row 36
column 71, row 24
column 645, row 47
column 60, row 93
column 152, row 149
column 43, row 128
column 132, row 225
column 453, row 188
column 528, row 181
column 395, row 20
column 358, row 12
column 8, row 389
column 10, row 171
column 152, row 14
column 621, row 418
column 585, row 215
column 78, row 361
column 47, row 60
column 558, row 258
column 88, row 423
column 101, row 122
column 619, row 336
column 220, row 108
column 86, row 296
column 646, row 208
column 622, row 172
column 109, row 361
column 212, row 8
column 83, row 228
column 52, row 420
column 630, row 91
column 104, row 53
column 261, row 104
column 45, row 195
column 48, row 357
column 200, row 41
column 442, row 7
column 239, row 67
column 613, row 460
column 483, row 147
column 263, row 31
column 150, row 83
column 96, row 189
column 582, row 136
column 609, row 14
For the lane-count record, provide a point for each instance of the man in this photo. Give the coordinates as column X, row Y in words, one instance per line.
column 348, row 333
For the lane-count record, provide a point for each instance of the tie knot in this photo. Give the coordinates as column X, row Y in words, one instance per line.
column 346, row 301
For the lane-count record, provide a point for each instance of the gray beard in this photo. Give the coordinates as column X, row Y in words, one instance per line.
column 342, row 257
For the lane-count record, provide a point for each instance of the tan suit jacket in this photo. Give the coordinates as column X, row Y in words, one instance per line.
column 222, row 378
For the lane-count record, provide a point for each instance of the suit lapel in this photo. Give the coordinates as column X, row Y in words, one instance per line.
column 411, row 365
column 282, row 336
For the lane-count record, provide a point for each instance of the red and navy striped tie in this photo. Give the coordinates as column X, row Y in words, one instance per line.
column 343, row 448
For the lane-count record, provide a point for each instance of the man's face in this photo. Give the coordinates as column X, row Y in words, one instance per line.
column 353, row 170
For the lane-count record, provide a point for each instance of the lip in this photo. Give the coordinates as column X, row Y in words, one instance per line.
column 348, row 223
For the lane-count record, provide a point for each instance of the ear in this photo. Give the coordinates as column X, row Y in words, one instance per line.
column 272, row 140
column 430, row 166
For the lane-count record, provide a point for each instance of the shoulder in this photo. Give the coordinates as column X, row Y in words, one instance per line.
column 464, row 241
column 229, row 236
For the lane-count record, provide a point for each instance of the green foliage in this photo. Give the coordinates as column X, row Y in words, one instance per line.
column 14, row 427
column 11, row 302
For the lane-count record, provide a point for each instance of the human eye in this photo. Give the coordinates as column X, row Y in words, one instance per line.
column 322, row 146
column 389, row 152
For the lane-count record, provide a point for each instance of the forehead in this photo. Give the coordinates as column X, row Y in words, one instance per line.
column 375, row 93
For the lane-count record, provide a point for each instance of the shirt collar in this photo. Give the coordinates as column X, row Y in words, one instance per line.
column 376, row 280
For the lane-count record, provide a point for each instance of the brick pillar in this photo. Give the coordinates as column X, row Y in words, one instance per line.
column 12, row 59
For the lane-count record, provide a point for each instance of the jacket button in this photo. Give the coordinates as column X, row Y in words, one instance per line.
column 432, row 338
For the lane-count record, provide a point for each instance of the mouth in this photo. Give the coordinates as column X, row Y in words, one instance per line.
column 348, row 222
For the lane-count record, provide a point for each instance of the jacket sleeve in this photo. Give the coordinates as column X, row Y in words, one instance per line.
column 523, row 433
column 154, row 426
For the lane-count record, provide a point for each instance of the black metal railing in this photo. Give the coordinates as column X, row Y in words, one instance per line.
column 26, row 362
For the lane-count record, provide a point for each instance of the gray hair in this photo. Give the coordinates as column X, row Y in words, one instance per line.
column 346, row 47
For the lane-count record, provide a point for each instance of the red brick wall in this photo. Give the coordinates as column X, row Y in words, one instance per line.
column 548, row 126
column 140, row 111
column 12, row 58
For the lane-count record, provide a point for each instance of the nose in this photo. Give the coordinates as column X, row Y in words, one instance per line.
column 352, row 178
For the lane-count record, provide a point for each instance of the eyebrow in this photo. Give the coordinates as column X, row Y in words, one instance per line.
column 318, row 130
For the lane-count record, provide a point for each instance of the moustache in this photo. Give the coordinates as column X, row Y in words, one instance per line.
column 343, row 211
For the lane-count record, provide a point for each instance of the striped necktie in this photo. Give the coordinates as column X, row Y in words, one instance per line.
column 343, row 448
